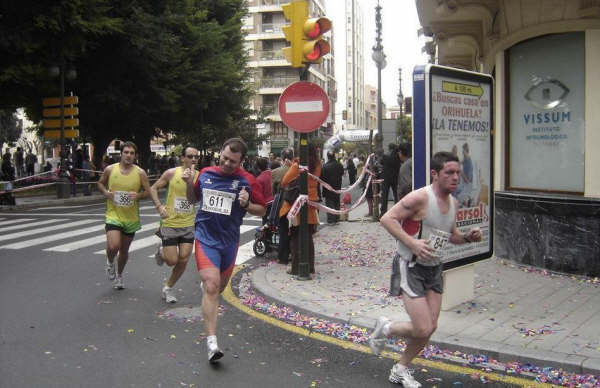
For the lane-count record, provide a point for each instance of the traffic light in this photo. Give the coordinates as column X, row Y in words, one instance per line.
column 304, row 34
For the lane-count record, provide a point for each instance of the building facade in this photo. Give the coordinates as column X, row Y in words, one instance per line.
column 356, row 105
column 272, row 73
column 544, row 56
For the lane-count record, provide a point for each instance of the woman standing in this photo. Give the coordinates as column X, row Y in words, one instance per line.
column 314, row 167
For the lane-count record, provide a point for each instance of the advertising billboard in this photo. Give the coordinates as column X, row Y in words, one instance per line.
column 453, row 112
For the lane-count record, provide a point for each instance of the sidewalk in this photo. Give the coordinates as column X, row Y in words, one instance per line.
column 519, row 314
column 30, row 202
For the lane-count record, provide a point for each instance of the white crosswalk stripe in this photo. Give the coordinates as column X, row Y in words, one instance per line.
column 16, row 235
column 9, row 222
column 30, row 224
column 53, row 237
column 93, row 240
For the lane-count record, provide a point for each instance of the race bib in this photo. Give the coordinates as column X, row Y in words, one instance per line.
column 121, row 199
column 438, row 240
column 182, row 205
column 216, row 201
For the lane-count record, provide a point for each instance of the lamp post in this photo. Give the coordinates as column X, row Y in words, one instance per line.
column 62, row 185
column 379, row 58
column 400, row 103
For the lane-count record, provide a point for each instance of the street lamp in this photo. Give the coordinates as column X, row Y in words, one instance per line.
column 62, row 185
column 400, row 103
column 379, row 57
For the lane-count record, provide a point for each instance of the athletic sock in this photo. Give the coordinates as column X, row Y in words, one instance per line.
column 387, row 329
column 211, row 340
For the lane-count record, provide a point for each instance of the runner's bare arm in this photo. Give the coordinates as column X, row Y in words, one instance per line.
column 163, row 181
column 145, row 186
column 188, row 177
column 409, row 207
column 252, row 208
column 103, row 181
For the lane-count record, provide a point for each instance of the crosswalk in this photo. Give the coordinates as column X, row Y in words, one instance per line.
column 64, row 234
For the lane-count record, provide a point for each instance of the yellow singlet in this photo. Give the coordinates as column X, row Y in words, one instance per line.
column 181, row 211
column 122, row 211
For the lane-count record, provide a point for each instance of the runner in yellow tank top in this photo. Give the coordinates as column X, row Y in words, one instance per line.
column 124, row 180
column 177, row 225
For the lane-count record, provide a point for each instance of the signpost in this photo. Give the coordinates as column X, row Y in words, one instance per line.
column 303, row 106
column 453, row 112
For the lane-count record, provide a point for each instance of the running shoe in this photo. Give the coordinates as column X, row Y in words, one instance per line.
column 377, row 339
column 214, row 353
column 168, row 294
column 158, row 256
column 118, row 283
column 110, row 270
column 402, row 375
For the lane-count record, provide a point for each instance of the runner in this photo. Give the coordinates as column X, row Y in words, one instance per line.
column 124, row 180
column 226, row 193
column 422, row 223
column 177, row 224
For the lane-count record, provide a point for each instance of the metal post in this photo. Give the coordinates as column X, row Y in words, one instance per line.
column 62, row 184
column 379, row 58
column 303, row 264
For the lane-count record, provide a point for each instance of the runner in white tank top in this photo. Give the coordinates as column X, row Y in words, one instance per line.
column 435, row 209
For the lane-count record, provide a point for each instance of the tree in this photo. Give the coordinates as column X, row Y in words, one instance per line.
column 10, row 127
column 404, row 129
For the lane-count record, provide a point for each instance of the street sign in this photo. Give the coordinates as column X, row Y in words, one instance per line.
column 55, row 101
column 55, row 112
column 55, row 133
column 55, row 123
column 303, row 106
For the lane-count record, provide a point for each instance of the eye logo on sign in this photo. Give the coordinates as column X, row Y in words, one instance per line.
column 542, row 93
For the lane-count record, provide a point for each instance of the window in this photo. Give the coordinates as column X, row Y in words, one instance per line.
column 547, row 114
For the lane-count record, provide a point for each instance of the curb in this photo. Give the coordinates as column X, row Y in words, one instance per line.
column 501, row 352
column 53, row 202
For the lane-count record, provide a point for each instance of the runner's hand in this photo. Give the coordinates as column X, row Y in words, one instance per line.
column 243, row 197
column 186, row 175
column 110, row 195
column 162, row 210
column 132, row 195
column 422, row 250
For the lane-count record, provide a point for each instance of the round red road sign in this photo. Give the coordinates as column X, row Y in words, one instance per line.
column 303, row 106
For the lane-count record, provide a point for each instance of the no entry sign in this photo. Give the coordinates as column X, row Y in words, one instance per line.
column 303, row 106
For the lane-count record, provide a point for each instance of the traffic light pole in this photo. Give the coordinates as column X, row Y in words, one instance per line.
column 303, row 262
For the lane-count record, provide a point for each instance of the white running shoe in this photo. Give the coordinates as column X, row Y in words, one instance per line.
column 214, row 353
column 377, row 339
column 110, row 270
column 168, row 294
column 402, row 375
column 118, row 283
column 158, row 256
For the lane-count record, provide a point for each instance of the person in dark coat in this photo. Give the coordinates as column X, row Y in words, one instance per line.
column 391, row 167
column 332, row 173
column 351, row 171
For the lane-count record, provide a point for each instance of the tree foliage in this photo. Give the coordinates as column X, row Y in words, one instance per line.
column 172, row 68
column 404, row 129
column 10, row 128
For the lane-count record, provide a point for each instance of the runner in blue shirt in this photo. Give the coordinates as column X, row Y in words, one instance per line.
column 225, row 192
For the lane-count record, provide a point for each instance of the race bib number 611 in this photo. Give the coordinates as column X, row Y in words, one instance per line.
column 216, row 201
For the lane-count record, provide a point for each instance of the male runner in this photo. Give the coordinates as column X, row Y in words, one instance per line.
column 432, row 210
column 124, row 180
column 177, row 224
column 226, row 192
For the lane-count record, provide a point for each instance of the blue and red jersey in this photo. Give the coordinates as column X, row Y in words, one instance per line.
column 219, row 213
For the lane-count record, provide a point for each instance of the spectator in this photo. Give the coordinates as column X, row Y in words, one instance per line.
column 332, row 173
column 351, row 167
column 264, row 183
column 405, row 176
column 48, row 166
column 172, row 160
column 277, row 175
column 86, row 166
column 19, row 162
column 8, row 170
column 30, row 161
column 391, row 168
column 314, row 167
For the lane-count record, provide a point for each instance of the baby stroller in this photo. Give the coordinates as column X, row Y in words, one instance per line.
column 266, row 237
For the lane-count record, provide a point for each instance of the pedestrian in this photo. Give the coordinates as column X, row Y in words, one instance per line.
column 86, row 166
column 30, row 161
column 405, row 175
column 351, row 167
column 423, row 223
column 314, row 167
column 332, row 173
column 264, row 182
column 177, row 220
column 391, row 168
column 8, row 170
column 226, row 193
column 19, row 162
column 120, row 184
column 283, row 251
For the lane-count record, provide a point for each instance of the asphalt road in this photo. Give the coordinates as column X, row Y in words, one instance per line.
column 62, row 324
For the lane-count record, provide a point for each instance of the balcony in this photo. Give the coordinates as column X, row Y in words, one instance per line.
column 264, row 58
column 266, row 31
column 274, row 85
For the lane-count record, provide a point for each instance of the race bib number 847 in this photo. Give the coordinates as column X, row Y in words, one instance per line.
column 216, row 201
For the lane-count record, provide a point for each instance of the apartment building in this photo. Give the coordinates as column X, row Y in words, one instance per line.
column 272, row 73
